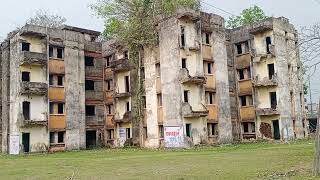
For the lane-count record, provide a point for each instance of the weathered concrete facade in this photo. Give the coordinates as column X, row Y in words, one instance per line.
column 64, row 90
column 43, row 89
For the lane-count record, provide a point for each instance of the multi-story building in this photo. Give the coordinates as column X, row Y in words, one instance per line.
column 215, row 84
column 52, row 89
column 203, row 84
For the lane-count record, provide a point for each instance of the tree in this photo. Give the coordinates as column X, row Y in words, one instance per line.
column 45, row 19
column 247, row 17
column 132, row 24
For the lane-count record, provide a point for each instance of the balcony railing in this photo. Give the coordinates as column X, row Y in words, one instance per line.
column 267, row 111
column 266, row 81
column 120, row 65
column 34, row 58
column 35, row 88
column 185, row 78
column 126, row 118
column 247, row 113
column 122, row 94
column 188, row 112
column 57, row 122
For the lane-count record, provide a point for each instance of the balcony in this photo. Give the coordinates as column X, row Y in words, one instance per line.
column 57, row 94
column 265, row 82
column 247, row 113
column 259, row 57
column 33, row 123
column 243, row 61
column 207, row 53
column 213, row 113
column 120, row 65
column 210, row 82
column 56, row 66
column 245, row 87
column 34, row 88
column 125, row 119
column 122, row 95
column 160, row 116
column 188, row 112
column 57, row 122
column 267, row 111
column 185, row 78
column 34, row 58
column 33, row 30
column 93, row 46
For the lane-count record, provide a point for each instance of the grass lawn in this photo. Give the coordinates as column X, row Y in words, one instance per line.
column 246, row 161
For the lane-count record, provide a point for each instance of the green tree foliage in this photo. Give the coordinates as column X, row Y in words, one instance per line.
column 132, row 23
column 247, row 17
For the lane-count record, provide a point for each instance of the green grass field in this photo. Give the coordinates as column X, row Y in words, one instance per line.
column 246, row 161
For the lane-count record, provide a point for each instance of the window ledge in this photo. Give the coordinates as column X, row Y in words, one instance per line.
column 53, row 58
column 57, row 114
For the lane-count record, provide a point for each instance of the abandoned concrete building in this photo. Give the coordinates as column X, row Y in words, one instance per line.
column 62, row 89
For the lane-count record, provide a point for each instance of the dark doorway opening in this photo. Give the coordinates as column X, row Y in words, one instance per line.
column 273, row 100
column 271, row 71
column 91, row 139
column 26, row 142
column 276, row 130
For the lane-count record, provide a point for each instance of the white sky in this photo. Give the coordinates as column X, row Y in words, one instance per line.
column 300, row 12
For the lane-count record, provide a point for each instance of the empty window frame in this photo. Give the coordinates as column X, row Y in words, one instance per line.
column 109, row 84
column 26, row 110
column 108, row 60
column 109, row 109
column 51, row 51
column 25, row 46
column 52, row 138
column 51, row 108
column 61, row 137
column 209, row 68
column 188, row 130
column 243, row 100
column 210, row 98
column 273, row 100
column 239, row 48
column 90, row 110
column 161, row 131
column 89, row 86
column 207, row 38
column 271, row 71
column 60, row 108
column 60, row 53
column 128, row 132
column 110, row 134
column 249, row 127
column 268, row 43
column 60, row 80
column 50, row 80
column 186, row 96
column 127, row 83
column 212, row 129
column 89, row 61
column 183, row 36
column 241, row 74
column 184, row 63
column 128, row 106
column 25, row 76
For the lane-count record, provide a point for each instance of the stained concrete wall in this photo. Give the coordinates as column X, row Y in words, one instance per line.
column 222, row 82
column 75, row 90
column 150, row 60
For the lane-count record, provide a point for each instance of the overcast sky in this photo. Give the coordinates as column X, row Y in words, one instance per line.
column 300, row 12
